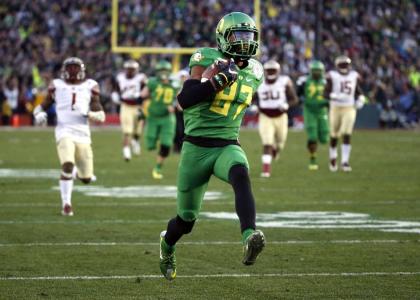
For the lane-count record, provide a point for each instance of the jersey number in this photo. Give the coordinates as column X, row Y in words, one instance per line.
column 316, row 91
column 345, row 87
column 269, row 95
column 168, row 94
column 73, row 101
column 223, row 100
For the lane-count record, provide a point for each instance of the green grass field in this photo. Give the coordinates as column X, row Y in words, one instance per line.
column 359, row 237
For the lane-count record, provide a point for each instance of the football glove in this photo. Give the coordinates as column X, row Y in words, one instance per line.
column 360, row 102
column 96, row 116
column 115, row 98
column 226, row 74
column 140, row 114
column 40, row 116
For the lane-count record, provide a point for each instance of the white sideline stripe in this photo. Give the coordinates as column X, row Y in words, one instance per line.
column 290, row 242
column 11, row 222
column 233, row 275
column 103, row 204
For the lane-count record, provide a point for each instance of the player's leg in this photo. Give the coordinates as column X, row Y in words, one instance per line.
column 166, row 137
column 232, row 166
column 84, row 162
column 127, row 121
column 280, row 135
column 66, row 153
column 335, row 124
column 349, row 117
column 311, row 128
column 266, row 131
column 194, row 171
column 138, row 130
column 151, row 134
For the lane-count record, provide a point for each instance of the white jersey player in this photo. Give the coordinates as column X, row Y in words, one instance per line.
column 274, row 96
column 343, row 91
column 77, row 102
column 128, row 86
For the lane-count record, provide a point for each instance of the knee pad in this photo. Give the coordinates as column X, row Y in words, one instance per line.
column 346, row 138
column 85, row 180
column 164, row 151
column 185, row 226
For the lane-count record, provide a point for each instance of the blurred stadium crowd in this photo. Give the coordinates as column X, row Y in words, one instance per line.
column 381, row 37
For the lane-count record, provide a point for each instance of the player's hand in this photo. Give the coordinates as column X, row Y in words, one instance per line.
column 96, row 116
column 140, row 114
column 40, row 116
column 284, row 107
column 223, row 73
column 360, row 102
column 115, row 97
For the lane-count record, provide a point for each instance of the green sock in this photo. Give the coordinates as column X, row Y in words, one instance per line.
column 246, row 233
column 158, row 166
column 312, row 159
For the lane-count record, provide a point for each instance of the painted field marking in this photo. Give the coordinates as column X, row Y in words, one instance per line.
column 204, row 243
column 123, row 203
column 226, row 275
column 322, row 220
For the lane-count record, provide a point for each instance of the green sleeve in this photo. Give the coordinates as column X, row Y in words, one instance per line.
column 152, row 83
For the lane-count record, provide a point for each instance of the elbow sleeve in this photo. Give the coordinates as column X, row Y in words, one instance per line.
column 194, row 92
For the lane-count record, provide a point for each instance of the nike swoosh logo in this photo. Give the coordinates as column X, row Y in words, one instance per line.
column 248, row 79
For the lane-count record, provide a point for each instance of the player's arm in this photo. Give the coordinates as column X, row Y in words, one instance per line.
column 204, row 83
column 328, row 88
column 39, row 113
column 96, row 112
column 291, row 96
column 116, row 91
column 360, row 97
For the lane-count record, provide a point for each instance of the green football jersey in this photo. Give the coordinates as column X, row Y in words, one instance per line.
column 222, row 117
column 162, row 95
column 314, row 95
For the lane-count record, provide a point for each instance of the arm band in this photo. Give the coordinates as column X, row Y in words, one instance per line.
column 194, row 92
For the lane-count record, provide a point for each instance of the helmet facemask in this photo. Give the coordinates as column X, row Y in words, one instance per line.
column 237, row 36
column 73, row 70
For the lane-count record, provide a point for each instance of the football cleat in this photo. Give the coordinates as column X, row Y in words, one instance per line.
column 127, row 153
column 67, row 210
column 313, row 167
column 265, row 175
column 135, row 146
column 167, row 260
column 333, row 165
column 157, row 174
column 346, row 167
column 253, row 246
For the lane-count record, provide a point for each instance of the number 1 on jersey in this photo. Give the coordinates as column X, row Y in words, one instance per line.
column 73, row 101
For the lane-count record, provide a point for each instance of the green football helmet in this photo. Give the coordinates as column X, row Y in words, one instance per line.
column 163, row 69
column 317, row 69
column 237, row 36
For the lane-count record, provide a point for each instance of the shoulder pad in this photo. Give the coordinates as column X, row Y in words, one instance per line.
column 257, row 69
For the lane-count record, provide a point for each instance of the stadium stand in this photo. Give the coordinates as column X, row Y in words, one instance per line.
column 381, row 37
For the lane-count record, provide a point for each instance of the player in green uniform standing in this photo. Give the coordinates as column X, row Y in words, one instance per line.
column 160, row 125
column 315, row 112
column 214, row 100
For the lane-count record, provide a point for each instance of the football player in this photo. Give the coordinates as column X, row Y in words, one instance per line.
column 214, row 100
column 128, row 86
column 160, row 125
column 273, row 98
column 77, row 101
column 345, row 96
column 315, row 109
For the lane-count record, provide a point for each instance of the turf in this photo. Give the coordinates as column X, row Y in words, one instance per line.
column 109, row 249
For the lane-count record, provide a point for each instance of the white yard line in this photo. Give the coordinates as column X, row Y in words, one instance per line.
column 123, row 203
column 226, row 275
column 201, row 243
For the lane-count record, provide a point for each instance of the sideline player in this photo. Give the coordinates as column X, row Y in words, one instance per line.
column 343, row 90
column 273, row 99
column 160, row 123
column 315, row 109
column 214, row 100
column 77, row 101
column 128, row 86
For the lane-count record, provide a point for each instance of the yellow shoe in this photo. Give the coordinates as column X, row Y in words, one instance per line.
column 156, row 174
column 313, row 167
